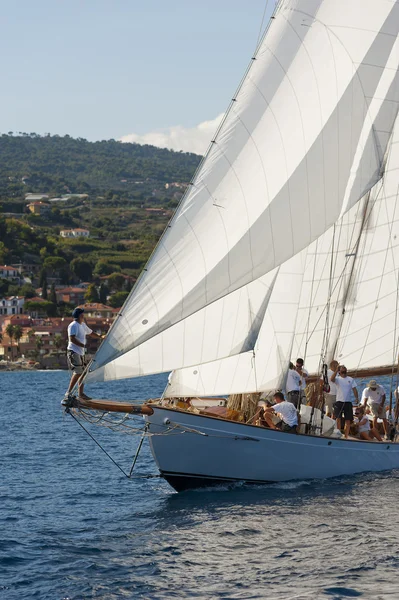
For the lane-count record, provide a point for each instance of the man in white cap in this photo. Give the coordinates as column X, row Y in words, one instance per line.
column 77, row 333
column 373, row 396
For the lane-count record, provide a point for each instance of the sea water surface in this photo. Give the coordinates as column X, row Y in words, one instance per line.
column 73, row 527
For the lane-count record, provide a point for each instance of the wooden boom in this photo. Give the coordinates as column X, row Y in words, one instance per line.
column 110, row 406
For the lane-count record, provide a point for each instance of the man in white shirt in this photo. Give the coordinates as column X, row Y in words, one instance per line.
column 287, row 413
column 296, row 382
column 343, row 406
column 373, row 396
column 77, row 333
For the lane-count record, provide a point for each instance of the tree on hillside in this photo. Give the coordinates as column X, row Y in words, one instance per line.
column 43, row 279
column 103, row 293
column 82, row 268
column 53, row 295
column 53, row 264
column 103, row 268
column 58, row 341
column 38, row 344
column 116, row 300
column 3, row 253
column 17, row 333
column 27, row 291
column 10, row 330
column 47, row 307
column 116, row 281
column 91, row 294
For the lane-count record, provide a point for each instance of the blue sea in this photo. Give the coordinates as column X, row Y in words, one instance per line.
column 73, row 527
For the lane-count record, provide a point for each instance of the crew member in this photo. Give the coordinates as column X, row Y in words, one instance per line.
column 287, row 413
column 77, row 333
column 373, row 396
column 343, row 406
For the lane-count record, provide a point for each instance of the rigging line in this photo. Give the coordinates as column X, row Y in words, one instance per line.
column 94, row 440
column 345, row 265
column 261, row 24
column 379, row 287
column 395, row 357
column 327, row 326
column 147, row 425
column 353, row 255
column 311, row 300
column 341, row 281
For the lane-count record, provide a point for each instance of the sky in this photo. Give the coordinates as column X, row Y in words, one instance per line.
column 149, row 71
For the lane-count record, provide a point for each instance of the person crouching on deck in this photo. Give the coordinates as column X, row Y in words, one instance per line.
column 77, row 333
column 286, row 411
column 366, row 432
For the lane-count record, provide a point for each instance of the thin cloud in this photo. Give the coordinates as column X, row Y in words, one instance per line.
column 195, row 139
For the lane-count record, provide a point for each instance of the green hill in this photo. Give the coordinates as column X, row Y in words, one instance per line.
column 49, row 164
column 127, row 194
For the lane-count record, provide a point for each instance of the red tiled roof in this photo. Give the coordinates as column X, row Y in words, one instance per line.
column 36, row 299
column 71, row 290
column 95, row 306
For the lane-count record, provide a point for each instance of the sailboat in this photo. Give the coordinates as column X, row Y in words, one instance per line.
column 285, row 244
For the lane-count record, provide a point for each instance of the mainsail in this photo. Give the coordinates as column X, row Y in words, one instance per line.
column 306, row 298
column 349, row 301
column 304, row 139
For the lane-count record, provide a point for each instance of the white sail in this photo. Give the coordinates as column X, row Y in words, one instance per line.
column 227, row 327
column 304, row 139
column 265, row 367
column 301, row 307
column 370, row 326
column 331, row 260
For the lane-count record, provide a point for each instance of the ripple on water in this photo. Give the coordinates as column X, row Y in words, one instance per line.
column 73, row 527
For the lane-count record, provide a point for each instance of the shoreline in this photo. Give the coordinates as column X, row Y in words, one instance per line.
column 7, row 366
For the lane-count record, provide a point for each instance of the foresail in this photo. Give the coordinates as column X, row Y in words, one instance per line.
column 266, row 366
column 227, row 327
column 303, row 140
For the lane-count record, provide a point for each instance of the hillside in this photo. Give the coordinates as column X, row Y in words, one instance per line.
column 124, row 194
column 49, row 164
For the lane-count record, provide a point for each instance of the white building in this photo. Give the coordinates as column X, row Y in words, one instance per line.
column 9, row 273
column 35, row 197
column 12, row 305
column 74, row 233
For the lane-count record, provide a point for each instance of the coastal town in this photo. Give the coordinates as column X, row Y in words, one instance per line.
column 29, row 337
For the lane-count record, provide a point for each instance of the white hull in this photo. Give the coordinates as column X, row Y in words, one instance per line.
column 235, row 452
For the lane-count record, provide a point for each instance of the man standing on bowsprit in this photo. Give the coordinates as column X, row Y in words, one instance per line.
column 77, row 333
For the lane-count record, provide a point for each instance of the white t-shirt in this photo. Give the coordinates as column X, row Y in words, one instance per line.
column 79, row 330
column 373, row 395
column 287, row 412
column 333, row 387
column 294, row 381
column 344, row 388
column 365, row 426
